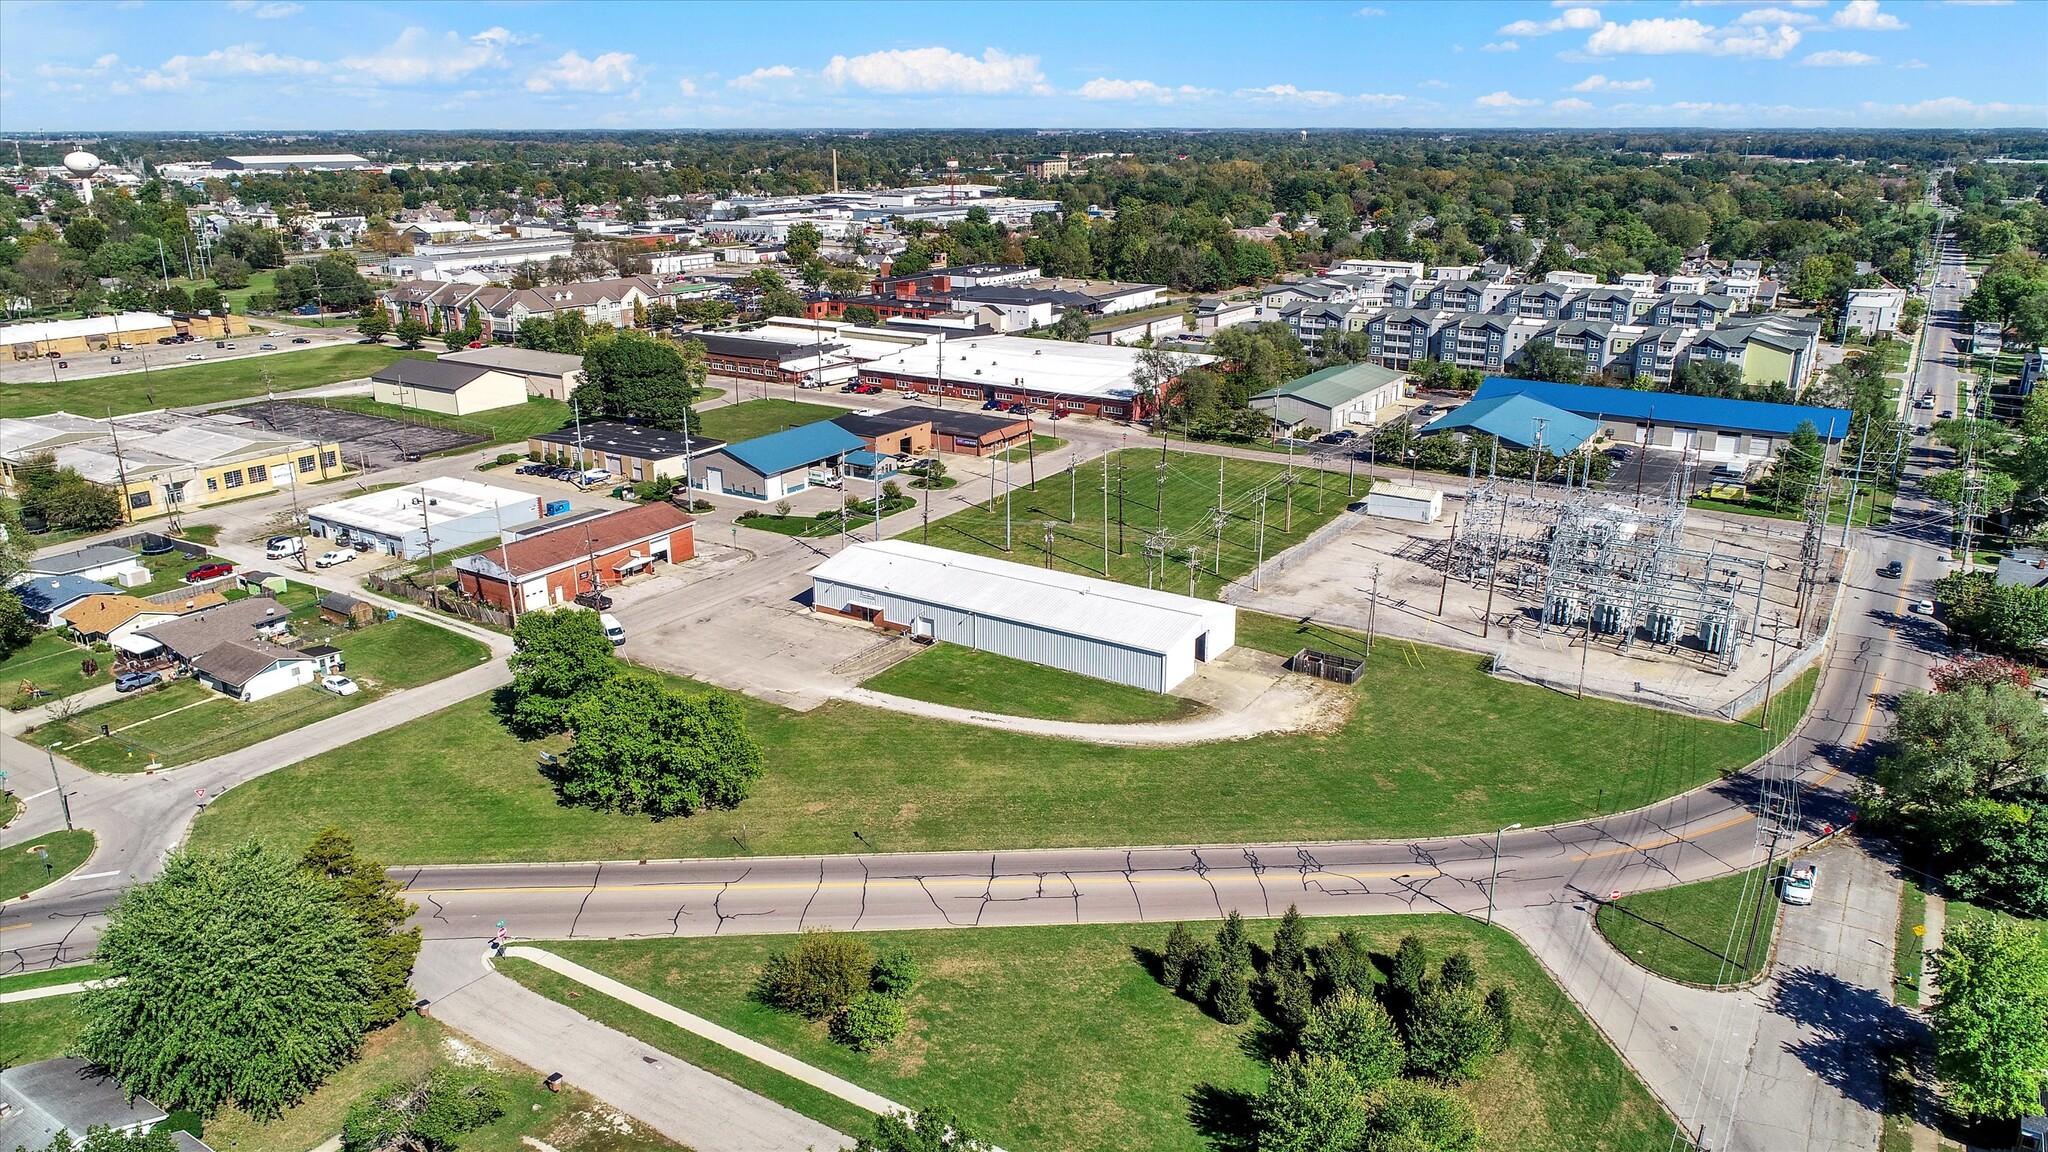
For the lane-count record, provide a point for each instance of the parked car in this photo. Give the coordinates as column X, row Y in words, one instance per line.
column 283, row 548
column 1020, row 409
column 334, row 556
column 63, row 363
column 302, row 340
column 229, row 347
column 991, row 404
column 339, row 685
column 1924, row 607
column 1797, row 886
column 210, row 571
column 596, row 601
column 613, row 630
column 266, row 346
column 1058, row 414
column 1893, row 570
column 130, row 681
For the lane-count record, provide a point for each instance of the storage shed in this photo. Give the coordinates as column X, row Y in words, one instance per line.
column 1404, row 502
column 1136, row 636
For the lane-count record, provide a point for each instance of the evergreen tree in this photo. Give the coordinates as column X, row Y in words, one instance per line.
column 1357, row 1033
column 1457, row 971
column 1450, row 1035
column 1180, row 951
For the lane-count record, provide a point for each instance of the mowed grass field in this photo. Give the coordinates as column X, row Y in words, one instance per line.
column 54, row 665
column 539, row 414
column 1698, row 933
column 967, row 678
column 1173, row 504
column 200, row 383
column 183, row 721
column 1433, row 747
column 1061, row 1038
column 750, row 418
column 23, row 869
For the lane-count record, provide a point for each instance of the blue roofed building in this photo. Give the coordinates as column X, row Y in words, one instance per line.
column 778, row 464
column 1708, row 426
column 1520, row 422
column 44, row 598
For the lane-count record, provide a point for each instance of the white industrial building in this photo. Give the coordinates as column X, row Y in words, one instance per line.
column 1404, row 502
column 1136, row 636
column 401, row 521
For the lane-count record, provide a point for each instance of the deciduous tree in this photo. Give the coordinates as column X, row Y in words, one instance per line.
column 643, row 747
column 1991, row 1020
column 558, row 656
column 1359, row 1034
column 1310, row 1104
column 372, row 897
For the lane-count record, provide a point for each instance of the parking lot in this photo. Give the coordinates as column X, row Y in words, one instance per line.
column 115, row 362
column 367, row 442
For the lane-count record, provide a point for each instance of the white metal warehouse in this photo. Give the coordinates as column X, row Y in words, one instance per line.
column 1097, row 628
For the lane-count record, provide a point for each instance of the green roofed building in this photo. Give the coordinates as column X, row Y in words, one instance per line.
column 1332, row 398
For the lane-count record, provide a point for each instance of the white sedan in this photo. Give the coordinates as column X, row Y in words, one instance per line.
column 331, row 558
column 1924, row 607
column 196, row 356
column 339, row 685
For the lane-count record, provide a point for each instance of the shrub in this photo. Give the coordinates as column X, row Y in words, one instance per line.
column 425, row 1115
column 1457, row 971
column 825, row 972
column 782, row 507
column 895, row 972
column 505, row 458
column 1357, row 1033
column 1408, row 1117
column 869, row 1022
column 1311, row 1104
column 1180, row 950
column 1451, row 1035
column 1500, row 1008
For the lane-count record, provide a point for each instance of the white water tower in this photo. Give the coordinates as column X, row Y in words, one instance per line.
column 83, row 164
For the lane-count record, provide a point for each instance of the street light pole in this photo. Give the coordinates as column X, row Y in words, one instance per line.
column 63, row 797
column 1495, row 882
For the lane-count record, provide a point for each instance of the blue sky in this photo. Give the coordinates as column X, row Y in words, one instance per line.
column 245, row 64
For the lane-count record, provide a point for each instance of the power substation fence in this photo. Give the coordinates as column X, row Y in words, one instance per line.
column 1285, row 560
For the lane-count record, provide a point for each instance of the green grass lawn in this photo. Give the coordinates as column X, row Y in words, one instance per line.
column 1190, row 484
column 23, row 869
column 811, row 527
column 1061, row 1038
column 199, row 383
column 1909, row 947
column 52, row 663
column 184, row 721
column 504, row 425
column 1435, row 747
column 750, row 418
column 39, row 1029
column 1039, row 446
column 166, row 572
column 200, row 533
column 261, row 281
column 1697, row 933
column 569, row 1120
column 1868, row 511
column 50, row 977
column 966, row 678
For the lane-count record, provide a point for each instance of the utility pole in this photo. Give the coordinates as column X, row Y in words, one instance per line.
column 433, row 562
column 1372, row 611
column 1451, row 550
column 1006, row 501
column 1771, row 669
column 1259, row 572
column 1119, row 507
column 1105, row 514
column 1073, row 484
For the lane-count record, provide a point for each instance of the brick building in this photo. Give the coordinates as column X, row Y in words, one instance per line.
column 554, row 566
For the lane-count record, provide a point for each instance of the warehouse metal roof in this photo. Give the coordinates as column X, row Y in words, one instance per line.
column 1670, row 408
column 1138, row 618
column 1515, row 420
column 779, row 452
column 1334, row 386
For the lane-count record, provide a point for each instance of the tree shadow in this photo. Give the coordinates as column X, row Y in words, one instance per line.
column 1850, row 1024
column 1224, row 1118
column 1152, row 961
column 1265, row 1041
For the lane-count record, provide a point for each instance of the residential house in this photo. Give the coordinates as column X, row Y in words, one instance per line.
column 252, row 670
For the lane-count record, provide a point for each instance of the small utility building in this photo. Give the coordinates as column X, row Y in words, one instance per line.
column 1332, row 398
column 447, row 387
column 778, row 464
column 1135, row 636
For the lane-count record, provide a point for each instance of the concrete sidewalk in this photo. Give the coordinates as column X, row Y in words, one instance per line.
column 679, row 1100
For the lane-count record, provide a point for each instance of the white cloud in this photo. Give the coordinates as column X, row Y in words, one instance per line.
column 1838, row 58
column 1571, row 104
column 98, row 68
column 1572, row 19
column 1434, row 84
column 761, row 77
column 1369, row 11
column 1912, row 64
column 1501, row 46
column 1504, row 99
column 1774, row 16
column 1598, row 83
column 417, row 56
column 179, row 72
column 502, row 37
column 608, row 72
column 1288, row 93
column 937, row 70
column 275, row 10
column 1863, row 16
column 1103, row 88
column 1956, row 110
column 687, row 86
column 1664, row 36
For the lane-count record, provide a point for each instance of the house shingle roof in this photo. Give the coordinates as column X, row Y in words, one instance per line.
column 236, row 662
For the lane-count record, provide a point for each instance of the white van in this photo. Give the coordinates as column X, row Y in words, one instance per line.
column 284, row 547
column 613, row 630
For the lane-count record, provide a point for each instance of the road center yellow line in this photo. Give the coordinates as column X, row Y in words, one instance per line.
column 976, row 882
